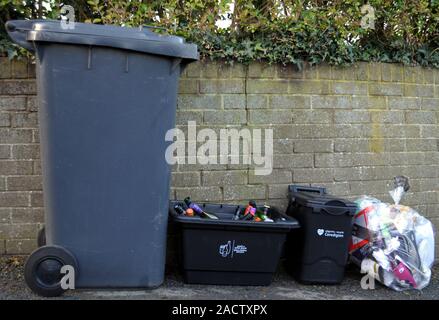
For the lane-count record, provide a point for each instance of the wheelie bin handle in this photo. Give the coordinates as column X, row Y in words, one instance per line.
column 17, row 30
column 297, row 188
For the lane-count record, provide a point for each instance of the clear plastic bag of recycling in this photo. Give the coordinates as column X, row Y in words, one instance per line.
column 392, row 242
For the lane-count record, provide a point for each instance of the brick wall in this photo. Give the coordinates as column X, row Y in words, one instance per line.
column 348, row 129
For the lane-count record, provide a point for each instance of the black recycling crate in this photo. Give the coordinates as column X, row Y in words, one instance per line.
column 318, row 252
column 227, row 251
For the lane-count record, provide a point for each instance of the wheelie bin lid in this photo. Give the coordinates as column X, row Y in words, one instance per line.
column 25, row 32
column 316, row 197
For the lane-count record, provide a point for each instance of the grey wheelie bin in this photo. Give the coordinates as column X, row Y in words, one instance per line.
column 107, row 96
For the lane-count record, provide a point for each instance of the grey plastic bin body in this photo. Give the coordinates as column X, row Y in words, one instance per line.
column 107, row 96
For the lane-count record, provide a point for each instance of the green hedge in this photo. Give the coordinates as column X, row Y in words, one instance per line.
column 277, row 31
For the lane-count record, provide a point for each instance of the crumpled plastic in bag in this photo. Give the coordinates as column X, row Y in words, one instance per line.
column 393, row 242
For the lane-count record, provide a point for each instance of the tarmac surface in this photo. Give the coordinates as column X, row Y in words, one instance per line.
column 12, row 286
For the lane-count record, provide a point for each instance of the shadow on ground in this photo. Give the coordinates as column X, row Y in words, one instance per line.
column 12, row 286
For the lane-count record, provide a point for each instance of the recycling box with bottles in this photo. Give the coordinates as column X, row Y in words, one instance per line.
column 229, row 244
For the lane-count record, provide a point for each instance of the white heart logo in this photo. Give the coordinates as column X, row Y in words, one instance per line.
column 320, row 231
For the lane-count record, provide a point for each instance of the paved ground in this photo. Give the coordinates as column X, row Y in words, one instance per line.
column 12, row 286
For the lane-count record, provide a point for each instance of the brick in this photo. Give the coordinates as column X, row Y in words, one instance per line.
column 314, row 145
column 14, row 199
column 19, row 68
column 304, row 131
column 311, row 175
column 234, row 101
column 5, row 216
column 32, row 103
column 334, row 188
column 349, row 88
column 283, row 146
column 412, row 74
column 394, row 117
column 36, row 199
column 183, row 117
column 188, row 101
column 421, row 117
column 27, row 215
column 269, row 116
column 359, row 188
column 331, row 102
column 400, row 131
column 24, row 183
column 193, row 70
column 221, row 178
column 428, row 75
column 358, row 71
column 386, row 72
column 37, row 168
column 406, row 158
column 309, row 87
column 416, row 90
column 338, row 72
column 289, row 71
column 22, row 246
column 185, row 179
column 18, row 87
column 244, row 192
column 345, row 116
column 276, row 176
column 15, row 135
column 5, row 151
column 209, row 69
column 12, row 103
column 200, row 193
column 235, row 70
column 311, row 116
column 18, row 231
column 324, row 71
column 310, row 72
column 36, row 136
column 267, row 86
column 26, row 151
column 276, row 191
column 422, row 145
column 429, row 184
column 430, row 131
column 364, row 145
column 5, row 68
column 25, row 120
column 397, row 72
column 385, row 89
column 375, row 71
column 2, row 183
column 5, row 120
column 261, row 70
column 351, row 159
column 371, row 102
column 222, row 86
column 32, row 72
column 11, row 167
column 404, row 103
column 257, row 101
column 225, row 117
column 291, row 161
column 289, row 102
column 429, row 104
column 188, row 86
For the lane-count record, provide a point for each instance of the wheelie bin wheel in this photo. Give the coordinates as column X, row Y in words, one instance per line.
column 41, row 241
column 42, row 271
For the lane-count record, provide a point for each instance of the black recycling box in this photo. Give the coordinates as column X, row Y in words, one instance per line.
column 230, row 252
column 318, row 252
